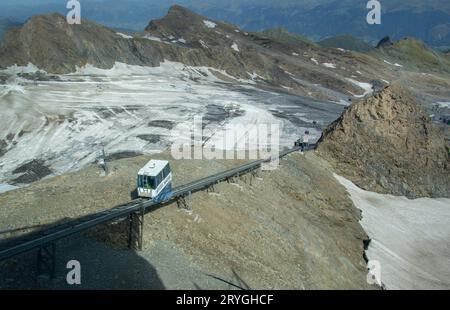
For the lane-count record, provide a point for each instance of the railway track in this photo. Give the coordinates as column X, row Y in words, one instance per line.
column 38, row 239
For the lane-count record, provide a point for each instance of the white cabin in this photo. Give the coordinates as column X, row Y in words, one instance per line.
column 154, row 178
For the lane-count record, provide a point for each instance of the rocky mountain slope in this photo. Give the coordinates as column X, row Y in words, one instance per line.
column 346, row 42
column 412, row 54
column 293, row 228
column 283, row 35
column 387, row 143
column 51, row 44
column 427, row 20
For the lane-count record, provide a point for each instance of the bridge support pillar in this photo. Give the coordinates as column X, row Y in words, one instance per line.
column 183, row 204
column 46, row 260
column 136, row 230
column 211, row 189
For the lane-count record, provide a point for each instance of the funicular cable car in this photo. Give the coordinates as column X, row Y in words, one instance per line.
column 154, row 181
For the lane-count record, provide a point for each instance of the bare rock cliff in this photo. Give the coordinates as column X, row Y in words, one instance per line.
column 387, row 143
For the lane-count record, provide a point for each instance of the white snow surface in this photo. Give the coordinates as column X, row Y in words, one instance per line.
column 209, row 24
column 443, row 104
column 125, row 36
column 329, row 65
column 410, row 238
column 235, row 47
column 395, row 65
column 366, row 86
column 152, row 38
column 6, row 188
column 67, row 123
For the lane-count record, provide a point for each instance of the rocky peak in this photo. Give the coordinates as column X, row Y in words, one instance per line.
column 183, row 26
column 53, row 45
column 177, row 18
column 387, row 143
column 386, row 41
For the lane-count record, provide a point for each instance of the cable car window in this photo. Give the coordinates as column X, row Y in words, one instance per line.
column 166, row 171
column 146, row 182
column 158, row 179
column 151, row 182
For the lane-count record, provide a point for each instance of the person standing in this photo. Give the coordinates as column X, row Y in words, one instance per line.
column 305, row 141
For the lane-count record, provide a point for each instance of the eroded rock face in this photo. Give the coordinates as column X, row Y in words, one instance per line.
column 388, row 144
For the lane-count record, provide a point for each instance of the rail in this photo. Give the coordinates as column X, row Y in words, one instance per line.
column 15, row 246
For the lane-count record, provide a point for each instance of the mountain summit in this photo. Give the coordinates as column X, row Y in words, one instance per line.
column 388, row 143
column 50, row 43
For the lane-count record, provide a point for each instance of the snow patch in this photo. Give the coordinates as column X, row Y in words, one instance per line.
column 289, row 73
column 235, row 47
column 390, row 63
column 408, row 237
column 6, row 188
column 442, row 104
column 255, row 76
column 295, row 54
column 314, row 61
column 209, row 24
column 366, row 86
column 329, row 65
column 125, row 36
column 15, row 69
column 152, row 38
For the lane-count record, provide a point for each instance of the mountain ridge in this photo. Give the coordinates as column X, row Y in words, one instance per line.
column 346, row 42
column 426, row 20
column 69, row 46
column 52, row 45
